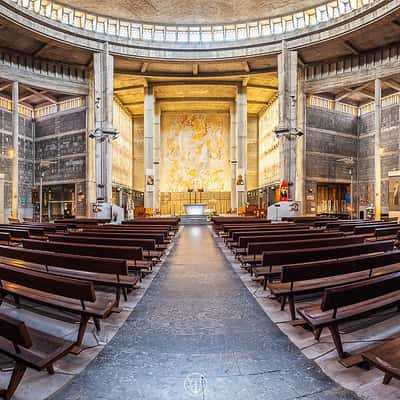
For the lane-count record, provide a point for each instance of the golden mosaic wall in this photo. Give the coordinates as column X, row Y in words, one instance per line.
column 195, row 152
column 268, row 147
column 122, row 148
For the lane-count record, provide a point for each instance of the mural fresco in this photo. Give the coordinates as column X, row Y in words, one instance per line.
column 194, row 152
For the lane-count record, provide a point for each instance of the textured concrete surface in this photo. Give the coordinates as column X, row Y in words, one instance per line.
column 198, row 318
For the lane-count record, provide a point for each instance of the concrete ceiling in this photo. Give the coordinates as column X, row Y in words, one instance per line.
column 32, row 96
column 192, row 11
column 201, row 94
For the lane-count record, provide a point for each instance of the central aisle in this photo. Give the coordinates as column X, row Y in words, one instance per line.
column 198, row 318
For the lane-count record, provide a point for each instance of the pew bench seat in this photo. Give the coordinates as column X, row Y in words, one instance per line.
column 29, row 348
column 62, row 293
column 317, row 318
column 351, row 302
column 289, row 290
column 101, row 308
column 121, row 282
column 386, row 357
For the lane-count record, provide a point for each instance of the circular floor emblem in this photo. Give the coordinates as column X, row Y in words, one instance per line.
column 195, row 384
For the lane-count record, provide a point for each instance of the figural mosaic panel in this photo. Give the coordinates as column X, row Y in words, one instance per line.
column 194, row 152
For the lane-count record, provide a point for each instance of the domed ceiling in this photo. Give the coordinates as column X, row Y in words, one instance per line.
column 178, row 12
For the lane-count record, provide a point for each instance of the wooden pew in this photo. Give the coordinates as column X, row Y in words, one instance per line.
column 263, row 228
column 314, row 277
column 362, row 229
column 255, row 250
column 148, row 245
column 173, row 222
column 392, row 231
column 273, row 260
column 32, row 231
column 308, row 219
column 29, row 348
column 235, row 243
column 270, row 237
column 351, row 302
column 158, row 237
column 16, row 234
column 5, row 238
column 386, row 357
column 365, row 225
column 106, row 272
column 218, row 221
column 164, row 231
column 94, row 221
column 134, row 255
column 70, row 295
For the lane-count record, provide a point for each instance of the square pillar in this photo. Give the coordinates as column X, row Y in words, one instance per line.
column 233, row 155
column 103, row 97
column 2, row 184
column 288, row 109
column 148, row 146
column 14, row 169
column 241, row 116
column 377, row 148
column 156, row 156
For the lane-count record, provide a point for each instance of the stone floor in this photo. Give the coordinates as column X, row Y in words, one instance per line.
column 198, row 332
column 357, row 335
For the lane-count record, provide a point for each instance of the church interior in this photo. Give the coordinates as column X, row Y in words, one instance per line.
column 199, row 199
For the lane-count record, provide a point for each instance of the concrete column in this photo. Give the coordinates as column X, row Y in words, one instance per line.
column 15, row 130
column 241, row 115
column 377, row 154
column 156, row 155
column 91, row 189
column 2, row 185
column 104, row 90
column 148, row 144
column 233, row 152
column 300, row 156
column 288, row 108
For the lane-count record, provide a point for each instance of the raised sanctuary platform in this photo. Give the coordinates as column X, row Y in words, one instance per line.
column 195, row 209
column 194, row 220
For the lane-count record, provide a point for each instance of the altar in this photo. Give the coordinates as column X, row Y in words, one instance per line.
column 195, row 209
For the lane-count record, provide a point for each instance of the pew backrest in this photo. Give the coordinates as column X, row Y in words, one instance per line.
column 328, row 268
column 61, row 286
column 145, row 244
column 259, row 248
column 125, row 253
column 67, row 261
column 267, row 238
column 346, row 295
column 324, row 253
column 15, row 331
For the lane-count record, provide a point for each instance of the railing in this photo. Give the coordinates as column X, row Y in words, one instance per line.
column 386, row 102
column 33, row 113
column 65, row 105
column 321, row 102
column 316, row 101
column 191, row 33
column 6, row 104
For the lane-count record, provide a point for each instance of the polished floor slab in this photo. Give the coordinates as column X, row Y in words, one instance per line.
column 198, row 332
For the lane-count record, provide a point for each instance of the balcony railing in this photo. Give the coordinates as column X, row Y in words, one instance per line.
column 191, row 33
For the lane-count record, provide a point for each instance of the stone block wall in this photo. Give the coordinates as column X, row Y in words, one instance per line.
column 390, row 145
column 330, row 136
column 62, row 138
column 25, row 161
